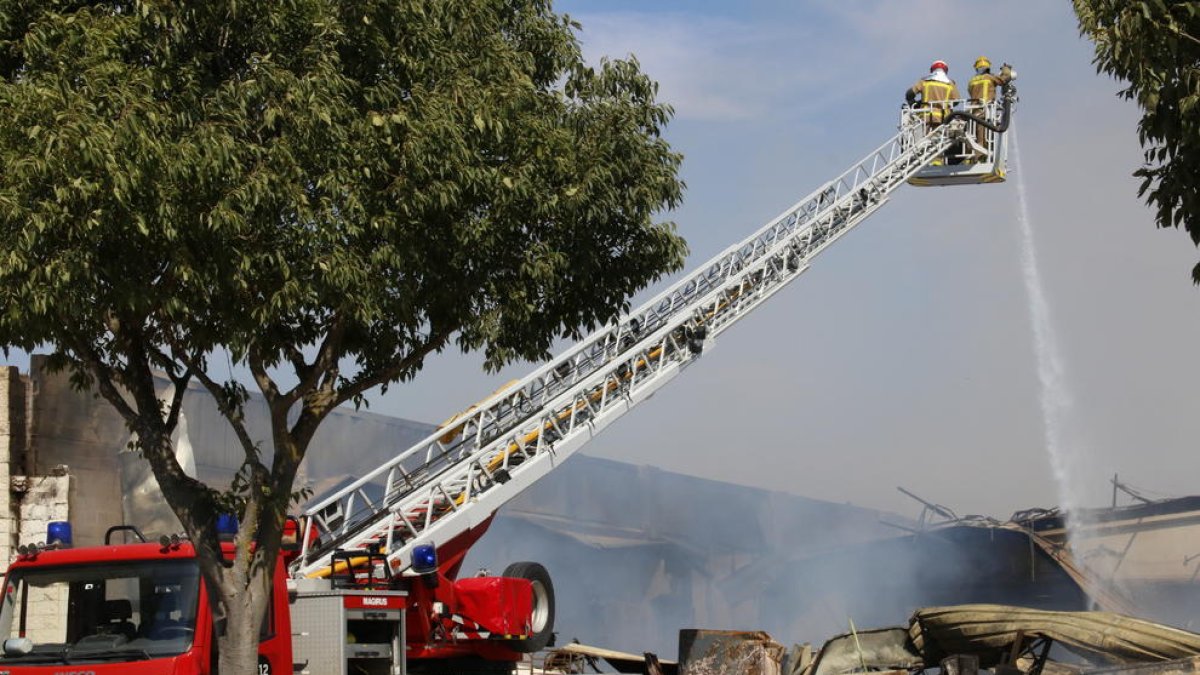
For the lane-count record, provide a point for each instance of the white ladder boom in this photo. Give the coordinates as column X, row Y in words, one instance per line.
column 456, row 478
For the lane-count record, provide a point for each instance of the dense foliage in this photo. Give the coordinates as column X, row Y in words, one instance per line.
column 1154, row 46
column 330, row 190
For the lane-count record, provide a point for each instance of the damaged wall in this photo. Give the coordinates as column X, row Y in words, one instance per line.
column 30, row 502
column 1148, row 550
column 83, row 433
column 40, row 500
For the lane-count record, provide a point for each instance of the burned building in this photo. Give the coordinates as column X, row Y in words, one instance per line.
column 1138, row 560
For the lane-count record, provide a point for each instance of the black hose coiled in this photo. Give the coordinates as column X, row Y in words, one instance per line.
column 1009, row 93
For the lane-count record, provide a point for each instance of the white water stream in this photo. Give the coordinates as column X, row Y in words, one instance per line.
column 1054, row 392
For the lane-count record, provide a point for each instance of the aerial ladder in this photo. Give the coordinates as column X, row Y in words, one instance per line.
column 454, row 480
column 418, row 514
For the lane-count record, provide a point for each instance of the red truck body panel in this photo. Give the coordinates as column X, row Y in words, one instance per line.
column 495, row 604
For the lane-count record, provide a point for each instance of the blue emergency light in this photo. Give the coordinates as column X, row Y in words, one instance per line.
column 424, row 559
column 58, row 534
column 227, row 526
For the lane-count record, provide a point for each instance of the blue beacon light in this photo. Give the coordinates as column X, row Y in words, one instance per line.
column 227, row 526
column 58, row 534
column 424, row 559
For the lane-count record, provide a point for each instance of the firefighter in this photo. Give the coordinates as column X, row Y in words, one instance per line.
column 933, row 95
column 982, row 91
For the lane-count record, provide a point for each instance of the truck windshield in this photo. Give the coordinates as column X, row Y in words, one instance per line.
column 72, row 614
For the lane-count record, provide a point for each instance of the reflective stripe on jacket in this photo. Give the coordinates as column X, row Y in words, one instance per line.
column 936, row 96
column 983, row 87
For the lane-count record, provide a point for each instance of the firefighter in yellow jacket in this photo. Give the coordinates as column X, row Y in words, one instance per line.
column 933, row 95
column 982, row 91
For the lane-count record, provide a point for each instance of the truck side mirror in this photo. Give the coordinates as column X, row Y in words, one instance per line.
column 18, row 646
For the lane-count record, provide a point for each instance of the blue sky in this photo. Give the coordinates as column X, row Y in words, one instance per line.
column 905, row 356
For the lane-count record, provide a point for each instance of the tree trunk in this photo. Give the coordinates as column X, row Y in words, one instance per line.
column 237, row 648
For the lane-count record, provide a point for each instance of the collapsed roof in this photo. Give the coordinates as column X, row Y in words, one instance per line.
column 997, row 634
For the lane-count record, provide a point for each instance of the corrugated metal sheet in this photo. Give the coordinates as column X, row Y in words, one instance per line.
column 1100, row 637
column 990, row 631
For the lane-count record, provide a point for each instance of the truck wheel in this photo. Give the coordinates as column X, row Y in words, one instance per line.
column 543, row 606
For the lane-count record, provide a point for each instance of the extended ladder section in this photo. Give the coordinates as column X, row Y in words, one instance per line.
column 456, row 479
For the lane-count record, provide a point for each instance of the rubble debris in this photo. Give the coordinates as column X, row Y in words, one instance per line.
column 1013, row 640
column 960, row 664
column 1187, row 666
column 623, row 662
column 877, row 649
column 715, row 652
column 799, row 659
column 1102, row 638
column 562, row 661
column 961, row 639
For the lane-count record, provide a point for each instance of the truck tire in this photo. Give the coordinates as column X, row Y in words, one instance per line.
column 543, row 606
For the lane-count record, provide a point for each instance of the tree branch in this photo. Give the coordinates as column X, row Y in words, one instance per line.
column 138, row 377
column 248, row 530
column 434, row 343
column 258, row 370
column 1174, row 29
column 277, row 406
column 326, row 360
column 298, row 363
column 270, row 524
column 181, row 385
column 249, row 449
column 179, row 381
column 103, row 376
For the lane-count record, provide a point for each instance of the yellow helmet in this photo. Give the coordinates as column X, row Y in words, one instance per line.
column 982, row 62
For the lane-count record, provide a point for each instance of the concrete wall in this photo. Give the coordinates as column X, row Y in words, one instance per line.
column 81, row 432
column 13, row 442
column 42, row 500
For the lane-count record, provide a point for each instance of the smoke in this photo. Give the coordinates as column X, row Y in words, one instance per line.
column 637, row 553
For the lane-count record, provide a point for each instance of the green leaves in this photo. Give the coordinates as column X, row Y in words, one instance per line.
column 1154, row 46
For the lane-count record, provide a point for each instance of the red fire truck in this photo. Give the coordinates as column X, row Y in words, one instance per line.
column 138, row 608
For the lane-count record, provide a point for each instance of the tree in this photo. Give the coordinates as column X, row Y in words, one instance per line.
column 328, row 190
column 1154, row 46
